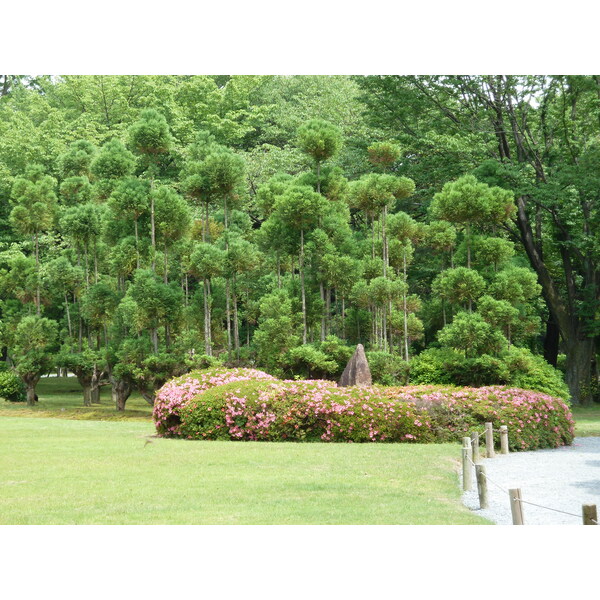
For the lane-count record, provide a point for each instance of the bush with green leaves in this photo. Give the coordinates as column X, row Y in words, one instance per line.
column 387, row 369
column 307, row 362
column 12, row 387
column 531, row 372
column 516, row 366
column 243, row 404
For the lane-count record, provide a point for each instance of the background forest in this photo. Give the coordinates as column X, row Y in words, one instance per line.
column 151, row 224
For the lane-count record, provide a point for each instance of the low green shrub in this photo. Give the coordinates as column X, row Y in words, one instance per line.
column 387, row 369
column 309, row 363
column 249, row 405
column 12, row 387
column 516, row 367
column 532, row 372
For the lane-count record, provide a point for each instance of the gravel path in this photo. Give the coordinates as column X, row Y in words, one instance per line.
column 563, row 479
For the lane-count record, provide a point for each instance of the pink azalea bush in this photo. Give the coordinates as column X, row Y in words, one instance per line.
column 175, row 394
column 243, row 404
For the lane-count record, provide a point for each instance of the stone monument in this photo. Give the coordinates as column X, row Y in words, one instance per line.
column 357, row 370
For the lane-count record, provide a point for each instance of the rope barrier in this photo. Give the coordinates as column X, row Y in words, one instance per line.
column 488, row 478
column 546, row 507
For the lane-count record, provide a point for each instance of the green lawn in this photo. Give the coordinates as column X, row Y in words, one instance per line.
column 587, row 420
column 56, row 471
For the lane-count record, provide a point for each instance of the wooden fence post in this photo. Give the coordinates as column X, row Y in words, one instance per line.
column 466, row 460
column 481, row 485
column 590, row 515
column 475, row 447
column 489, row 440
column 503, row 439
column 516, row 506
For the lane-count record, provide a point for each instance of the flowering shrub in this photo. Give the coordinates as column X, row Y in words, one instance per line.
column 175, row 394
column 243, row 404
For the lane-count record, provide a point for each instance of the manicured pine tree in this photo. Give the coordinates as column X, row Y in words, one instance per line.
column 207, row 261
column 151, row 138
column 468, row 202
column 130, row 200
column 109, row 165
column 225, row 171
column 172, row 221
column 34, row 199
column 34, row 350
column 321, row 141
column 300, row 209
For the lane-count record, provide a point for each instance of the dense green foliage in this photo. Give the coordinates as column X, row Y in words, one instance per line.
column 11, row 387
column 151, row 225
column 245, row 404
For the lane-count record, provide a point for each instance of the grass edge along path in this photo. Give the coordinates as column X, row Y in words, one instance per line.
column 56, row 471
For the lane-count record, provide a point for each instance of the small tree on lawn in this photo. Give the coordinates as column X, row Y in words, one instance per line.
column 33, row 352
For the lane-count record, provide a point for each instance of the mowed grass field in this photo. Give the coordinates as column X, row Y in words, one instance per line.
column 57, row 471
column 96, row 466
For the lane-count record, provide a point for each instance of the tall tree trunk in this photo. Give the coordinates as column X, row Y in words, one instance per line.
column 551, row 342
column 166, row 273
column 468, row 231
column 405, row 308
column 384, row 240
column 236, row 331
column 327, row 311
column 304, row 331
column 95, row 385
column 319, row 177
column 278, row 271
column 322, row 292
column 580, row 353
column 30, row 384
column 37, row 276
column 152, row 226
column 68, row 315
column 579, row 347
column 228, row 316
column 121, row 390
column 207, row 336
column 137, row 242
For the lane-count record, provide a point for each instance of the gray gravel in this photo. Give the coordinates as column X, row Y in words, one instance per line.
column 563, row 479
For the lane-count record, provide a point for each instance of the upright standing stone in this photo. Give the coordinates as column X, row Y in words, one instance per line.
column 357, row 370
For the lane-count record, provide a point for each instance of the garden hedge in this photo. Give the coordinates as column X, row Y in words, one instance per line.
column 246, row 404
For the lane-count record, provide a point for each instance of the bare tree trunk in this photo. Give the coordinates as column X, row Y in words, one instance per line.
column 322, row 292
column 121, row 390
column 68, row 315
column 304, row 331
column 166, row 273
column 30, row 384
column 37, row 268
column 228, row 316
column 404, row 294
column 327, row 311
column 95, row 385
column 137, row 243
column 236, row 332
column 152, row 226
column 278, row 271
column 207, row 340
